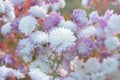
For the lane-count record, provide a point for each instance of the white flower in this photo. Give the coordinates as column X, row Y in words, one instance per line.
column 6, row 29
column 36, row 74
column 112, row 43
column 39, row 37
column 96, row 66
column 60, row 39
column 38, row 11
column 25, row 49
column 27, row 24
column 9, row 10
column 9, row 72
column 68, row 25
column 58, row 5
column 110, row 65
column 98, row 76
column 2, row 7
column 42, row 65
column 114, row 23
column 77, row 64
column 18, row 2
column 85, row 3
column 89, row 31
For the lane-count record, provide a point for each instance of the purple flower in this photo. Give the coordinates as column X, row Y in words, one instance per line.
column 102, row 22
column 15, row 25
column 8, row 59
column 94, row 17
column 79, row 17
column 52, row 20
column 86, row 47
column 108, row 14
column 51, row 1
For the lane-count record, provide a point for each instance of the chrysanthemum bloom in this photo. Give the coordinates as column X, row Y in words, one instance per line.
column 60, row 39
column 114, row 23
column 18, row 2
column 102, row 22
column 94, row 17
column 96, row 65
column 58, row 5
column 108, row 14
column 68, row 25
column 88, row 32
column 8, row 59
column 27, row 24
column 9, row 10
column 2, row 6
column 86, row 47
column 36, row 74
column 52, row 20
column 41, row 64
column 38, row 11
column 111, row 43
column 38, row 37
column 110, row 65
column 79, row 17
column 9, row 72
column 51, row 1
column 25, row 49
column 15, row 25
column 98, row 76
column 6, row 29
column 86, row 3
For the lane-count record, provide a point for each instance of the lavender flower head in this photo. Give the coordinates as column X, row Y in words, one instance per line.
column 51, row 1
column 79, row 17
column 8, row 59
column 94, row 17
column 108, row 14
column 52, row 20
column 86, row 47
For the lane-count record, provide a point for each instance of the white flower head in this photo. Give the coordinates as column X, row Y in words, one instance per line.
column 6, row 72
column 98, row 76
column 42, row 65
column 39, row 37
column 112, row 43
column 38, row 11
column 110, row 65
column 6, row 29
column 60, row 39
column 25, row 49
column 89, row 31
column 114, row 23
column 9, row 10
column 27, row 24
column 96, row 66
column 68, row 25
column 58, row 5
column 2, row 6
column 36, row 74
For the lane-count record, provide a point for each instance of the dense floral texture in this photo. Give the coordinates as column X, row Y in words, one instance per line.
column 60, row 39
column 27, row 24
column 51, row 46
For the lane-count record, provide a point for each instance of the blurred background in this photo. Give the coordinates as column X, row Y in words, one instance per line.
column 100, row 5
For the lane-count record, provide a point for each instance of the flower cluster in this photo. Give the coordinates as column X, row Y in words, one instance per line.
column 49, row 47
